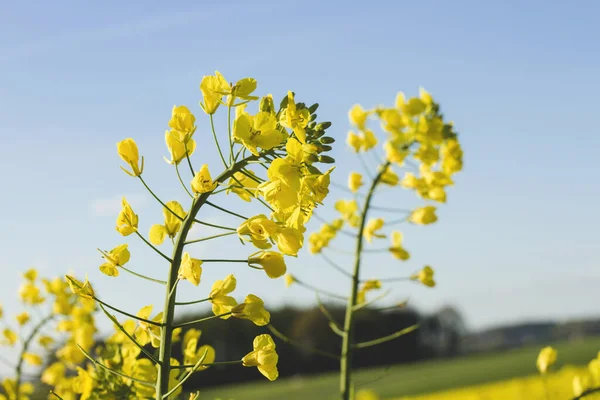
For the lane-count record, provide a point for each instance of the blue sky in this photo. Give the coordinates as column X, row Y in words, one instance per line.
column 516, row 240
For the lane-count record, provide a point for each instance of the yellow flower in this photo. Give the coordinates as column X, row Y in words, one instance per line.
column 425, row 276
column 190, row 269
column 318, row 185
column 257, row 131
column 145, row 332
column 127, row 220
column 192, row 353
column 212, row 88
column 396, row 151
column 355, row 181
column 270, row 261
column 30, row 294
column 346, row 207
column 182, row 124
column 253, row 309
column 128, row 152
column 396, row 248
column 546, row 359
column 10, row 337
column 369, row 285
column 358, row 116
column 249, row 185
column 355, row 141
column 295, row 119
column 178, row 149
column 263, row 356
column 30, row 275
column 389, row 177
column 202, row 182
column 258, row 229
column 82, row 289
column 221, row 302
column 289, row 240
column 172, row 223
column 371, row 229
column 365, row 394
column 289, row 280
column 423, row 216
column 369, row 140
column 23, row 318
column 117, row 257
column 32, row 359
column 45, row 341
column 54, row 374
column 413, row 107
column 452, row 157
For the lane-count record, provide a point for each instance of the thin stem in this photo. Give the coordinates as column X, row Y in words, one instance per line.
column 344, row 188
column 126, row 313
column 159, row 200
column 384, row 339
column 223, row 260
column 181, row 181
column 397, row 221
column 153, row 247
column 214, row 226
column 186, row 366
column 185, row 303
column 334, row 265
column 212, row 125
column 316, row 290
column 332, row 322
column 365, row 166
column 210, row 237
column 293, row 342
column 396, row 279
column 143, row 276
column 112, row 371
column 187, row 156
column 26, row 343
column 346, row 353
column 587, row 393
column 186, row 377
column 202, row 320
column 229, row 133
column 391, row 209
column 368, row 303
column 225, row 210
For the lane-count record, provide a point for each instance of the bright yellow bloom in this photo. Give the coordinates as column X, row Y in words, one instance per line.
column 546, row 359
column 145, row 332
column 212, row 88
column 279, row 195
column 127, row 220
column 413, row 107
column 427, row 154
column 178, row 149
column 395, row 151
column 258, row 229
column 117, row 257
column 190, row 269
column 128, row 152
column 249, row 185
column 355, row 141
column 202, row 182
column 423, row 216
column 257, row 131
column 358, row 116
column 346, row 207
column 295, row 119
column 10, row 337
column 182, row 124
column 289, row 240
column 389, row 177
column 22, row 318
column 172, row 223
column 32, row 359
column 425, row 276
column 289, row 280
column 54, row 374
column 263, row 356
column 271, row 262
column 318, row 184
column 82, row 289
column 221, row 302
column 30, row 294
column 253, row 309
column 45, row 341
column 396, row 248
column 192, row 353
column 369, row 140
column 371, row 229
column 452, row 157
column 30, row 275
column 355, row 181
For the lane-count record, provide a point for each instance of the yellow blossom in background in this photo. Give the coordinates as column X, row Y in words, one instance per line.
column 221, row 302
column 45, row 341
column 423, row 216
column 396, row 248
column 174, row 214
column 355, row 181
column 117, row 257
column 128, row 151
column 366, row 394
column 127, row 220
column 355, row 141
column 389, row 177
column 32, row 359
column 30, row 294
column 146, row 332
column 289, row 280
column 358, row 116
column 271, row 262
column 30, row 275
column 425, row 276
column 258, row 230
column 22, row 318
column 190, row 269
column 372, row 284
column 546, row 359
column 289, row 240
column 374, row 225
column 178, row 149
column 202, row 182
column 253, row 309
column 10, row 337
column 264, row 357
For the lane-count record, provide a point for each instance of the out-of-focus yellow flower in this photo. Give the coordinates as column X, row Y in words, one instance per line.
column 45, row 341
column 355, row 181
column 249, row 185
column 32, row 359
column 355, row 141
column 581, row 383
column 368, row 286
column 178, row 149
column 22, row 318
column 358, row 116
column 413, row 107
column 30, row 275
column 396, row 248
column 82, row 289
column 190, row 269
column 371, row 229
column 425, row 276
column 395, row 151
column 83, row 383
column 263, row 356
column 10, row 337
column 369, row 140
column 253, row 309
column 117, row 257
column 128, row 151
column 366, row 394
column 127, row 220
column 271, row 262
column 389, row 177
column 172, row 223
column 289, row 280
column 145, row 332
column 423, row 216
column 30, row 294
column 221, row 302
column 54, row 374
column 452, row 157
column 182, row 123
column 259, row 131
column 202, row 182
column 546, row 359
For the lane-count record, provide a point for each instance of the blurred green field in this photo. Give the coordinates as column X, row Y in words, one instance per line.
column 402, row 380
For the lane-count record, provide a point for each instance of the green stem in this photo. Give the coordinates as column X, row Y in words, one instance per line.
column 181, row 181
column 202, row 320
column 346, row 352
column 295, row 343
column 159, row 200
column 205, row 260
column 316, row 290
column 187, row 156
column 185, row 303
column 212, row 125
column 162, row 384
column 210, row 237
column 335, row 266
column 143, row 276
column 229, row 134
column 587, row 393
column 214, row 226
column 112, row 371
column 26, row 343
column 186, row 366
column 126, row 313
column 153, row 247
column 225, row 210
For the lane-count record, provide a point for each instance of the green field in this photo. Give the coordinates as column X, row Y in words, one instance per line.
column 424, row 377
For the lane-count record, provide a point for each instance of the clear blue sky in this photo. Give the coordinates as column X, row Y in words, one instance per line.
column 517, row 239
